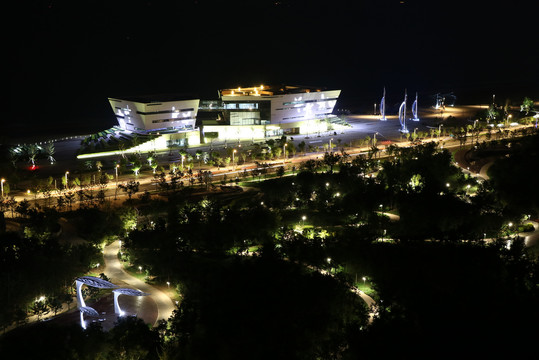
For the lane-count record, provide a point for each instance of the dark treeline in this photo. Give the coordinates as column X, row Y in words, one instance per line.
column 270, row 276
column 32, row 268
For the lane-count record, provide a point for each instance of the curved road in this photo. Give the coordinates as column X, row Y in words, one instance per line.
column 113, row 269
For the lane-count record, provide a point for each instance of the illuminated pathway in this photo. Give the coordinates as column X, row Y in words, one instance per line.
column 114, row 270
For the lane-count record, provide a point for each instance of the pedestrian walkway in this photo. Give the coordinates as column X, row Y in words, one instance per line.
column 115, row 271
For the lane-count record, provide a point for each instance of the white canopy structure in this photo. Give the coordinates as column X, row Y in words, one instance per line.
column 93, row 282
column 124, row 291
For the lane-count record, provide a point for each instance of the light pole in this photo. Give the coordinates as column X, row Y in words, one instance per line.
column 303, row 218
column 374, row 108
column 2, row 183
column 67, row 173
column 284, row 153
column 233, row 157
column 116, row 190
column 440, row 130
column 364, row 279
column 330, row 147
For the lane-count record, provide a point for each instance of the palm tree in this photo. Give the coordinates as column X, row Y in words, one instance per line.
column 136, row 169
column 14, row 155
column 31, row 151
column 69, row 197
column 527, row 105
column 150, row 158
column 50, row 150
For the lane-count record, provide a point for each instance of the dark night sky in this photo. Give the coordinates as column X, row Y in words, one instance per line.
column 67, row 57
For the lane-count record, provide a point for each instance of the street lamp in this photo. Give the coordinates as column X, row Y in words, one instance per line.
column 330, row 147
column 140, row 269
column 284, row 153
column 67, row 173
column 440, row 130
column 303, row 218
column 2, row 182
column 116, row 190
column 364, row 279
column 233, row 157
column 168, row 284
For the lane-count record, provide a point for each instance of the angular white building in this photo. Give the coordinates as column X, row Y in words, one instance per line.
column 278, row 105
column 251, row 113
column 155, row 113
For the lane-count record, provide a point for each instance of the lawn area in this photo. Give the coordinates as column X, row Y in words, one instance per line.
column 366, row 288
column 134, row 271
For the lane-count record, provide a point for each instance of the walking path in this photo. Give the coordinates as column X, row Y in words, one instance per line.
column 484, row 170
column 114, row 270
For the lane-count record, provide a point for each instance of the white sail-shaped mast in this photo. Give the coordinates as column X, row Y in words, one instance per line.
column 402, row 114
column 383, row 106
column 414, row 109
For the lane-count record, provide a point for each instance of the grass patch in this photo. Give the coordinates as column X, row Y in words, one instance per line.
column 366, row 288
column 134, row 271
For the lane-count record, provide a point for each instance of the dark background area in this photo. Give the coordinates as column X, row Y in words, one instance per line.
column 67, row 57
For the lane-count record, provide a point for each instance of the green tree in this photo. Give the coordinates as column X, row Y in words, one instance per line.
column 130, row 188
column 39, row 308
column 330, row 159
column 527, row 105
column 280, row 171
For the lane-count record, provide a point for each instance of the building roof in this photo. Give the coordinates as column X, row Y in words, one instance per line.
column 269, row 90
column 156, row 98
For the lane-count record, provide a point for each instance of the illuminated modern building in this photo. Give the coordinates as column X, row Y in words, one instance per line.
column 264, row 111
column 283, row 109
column 155, row 113
column 286, row 106
column 252, row 113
